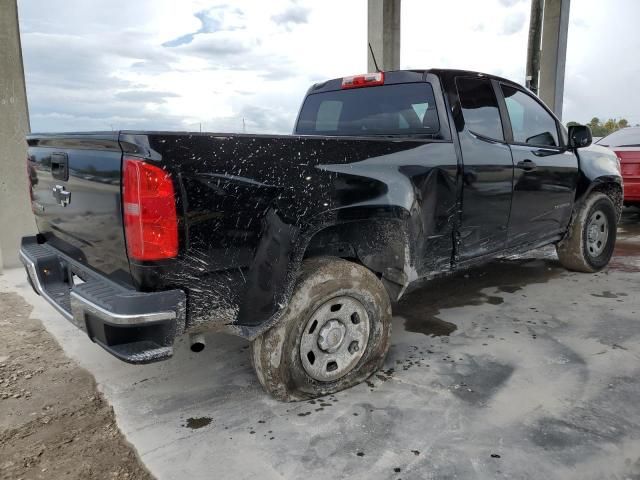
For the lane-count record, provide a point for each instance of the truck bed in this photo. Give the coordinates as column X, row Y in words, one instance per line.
column 247, row 208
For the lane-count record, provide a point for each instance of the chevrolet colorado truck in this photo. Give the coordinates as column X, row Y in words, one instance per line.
column 301, row 243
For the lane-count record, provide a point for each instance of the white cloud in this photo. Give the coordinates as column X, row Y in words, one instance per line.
column 174, row 65
column 464, row 34
column 182, row 65
column 292, row 15
column 511, row 3
column 513, row 23
column 603, row 72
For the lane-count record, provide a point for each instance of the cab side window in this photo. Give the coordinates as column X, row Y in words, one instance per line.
column 480, row 107
column 530, row 122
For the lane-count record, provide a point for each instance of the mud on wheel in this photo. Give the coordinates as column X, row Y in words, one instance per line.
column 333, row 335
column 591, row 238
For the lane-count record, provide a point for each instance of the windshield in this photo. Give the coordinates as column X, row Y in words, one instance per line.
column 398, row 109
column 626, row 137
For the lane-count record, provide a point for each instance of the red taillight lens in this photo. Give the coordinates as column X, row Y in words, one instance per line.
column 366, row 80
column 150, row 221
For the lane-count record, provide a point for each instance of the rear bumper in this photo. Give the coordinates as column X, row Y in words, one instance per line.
column 134, row 326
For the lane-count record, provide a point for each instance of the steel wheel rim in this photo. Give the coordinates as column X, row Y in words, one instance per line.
column 597, row 233
column 334, row 339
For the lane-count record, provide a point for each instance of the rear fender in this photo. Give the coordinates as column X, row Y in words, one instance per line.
column 387, row 213
column 381, row 245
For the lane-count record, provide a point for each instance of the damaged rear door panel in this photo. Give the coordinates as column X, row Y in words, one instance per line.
column 487, row 172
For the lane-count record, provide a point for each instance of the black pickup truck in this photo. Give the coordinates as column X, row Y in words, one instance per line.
column 301, row 243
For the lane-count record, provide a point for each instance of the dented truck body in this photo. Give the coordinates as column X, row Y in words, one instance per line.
column 249, row 209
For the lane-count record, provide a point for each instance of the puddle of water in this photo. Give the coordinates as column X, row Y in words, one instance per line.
column 509, row 288
column 198, row 422
column 495, row 300
column 605, row 294
column 626, row 256
column 630, row 222
column 420, row 307
column 429, row 326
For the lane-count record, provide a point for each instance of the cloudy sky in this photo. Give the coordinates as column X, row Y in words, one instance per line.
column 163, row 64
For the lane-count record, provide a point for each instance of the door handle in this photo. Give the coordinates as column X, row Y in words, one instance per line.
column 527, row 165
column 61, row 195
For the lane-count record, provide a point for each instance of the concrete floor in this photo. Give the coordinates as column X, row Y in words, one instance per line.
column 518, row 369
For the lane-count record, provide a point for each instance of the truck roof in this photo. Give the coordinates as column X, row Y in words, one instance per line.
column 405, row 76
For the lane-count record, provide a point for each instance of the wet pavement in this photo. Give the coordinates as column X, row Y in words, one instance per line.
column 517, row 369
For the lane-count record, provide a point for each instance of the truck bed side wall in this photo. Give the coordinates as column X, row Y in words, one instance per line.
column 251, row 204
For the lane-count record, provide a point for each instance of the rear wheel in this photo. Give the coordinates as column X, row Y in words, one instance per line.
column 334, row 334
column 591, row 238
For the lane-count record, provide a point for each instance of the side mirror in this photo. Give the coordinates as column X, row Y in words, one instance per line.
column 579, row 136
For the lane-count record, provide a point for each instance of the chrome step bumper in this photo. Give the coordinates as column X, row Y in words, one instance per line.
column 137, row 327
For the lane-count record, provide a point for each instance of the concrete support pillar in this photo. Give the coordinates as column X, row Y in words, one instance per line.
column 533, row 49
column 383, row 20
column 553, row 54
column 16, row 218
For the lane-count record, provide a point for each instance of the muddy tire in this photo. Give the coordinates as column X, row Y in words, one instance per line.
column 334, row 334
column 591, row 237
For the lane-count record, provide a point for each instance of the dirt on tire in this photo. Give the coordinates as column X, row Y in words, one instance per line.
column 53, row 421
column 571, row 249
column 275, row 354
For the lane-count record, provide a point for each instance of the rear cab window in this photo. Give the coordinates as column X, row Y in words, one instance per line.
column 404, row 109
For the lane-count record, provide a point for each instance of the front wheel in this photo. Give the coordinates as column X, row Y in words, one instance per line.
column 591, row 238
column 334, row 334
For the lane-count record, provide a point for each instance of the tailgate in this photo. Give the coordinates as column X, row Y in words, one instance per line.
column 76, row 198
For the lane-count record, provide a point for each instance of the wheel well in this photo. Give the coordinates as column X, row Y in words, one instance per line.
column 334, row 241
column 613, row 191
column 381, row 246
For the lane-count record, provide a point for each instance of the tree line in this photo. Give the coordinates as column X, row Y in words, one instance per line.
column 599, row 129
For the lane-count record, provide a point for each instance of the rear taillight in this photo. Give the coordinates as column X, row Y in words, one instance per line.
column 366, row 80
column 150, row 221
